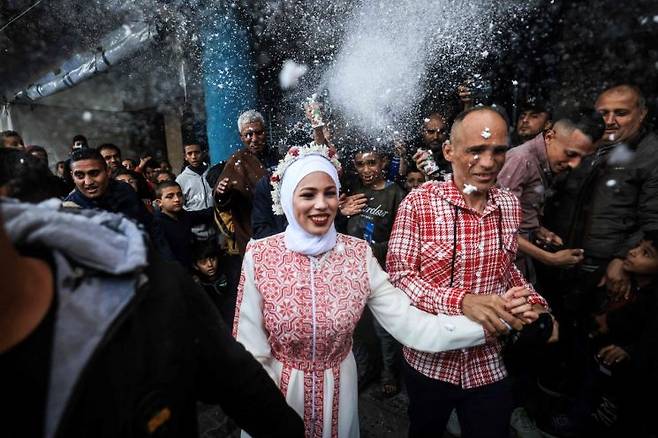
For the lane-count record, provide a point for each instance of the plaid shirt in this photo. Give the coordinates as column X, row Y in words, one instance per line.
column 437, row 237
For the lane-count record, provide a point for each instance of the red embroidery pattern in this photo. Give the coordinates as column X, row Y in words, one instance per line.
column 314, row 404
column 285, row 379
column 334, row 403
column 238, row 303
column 341, row 288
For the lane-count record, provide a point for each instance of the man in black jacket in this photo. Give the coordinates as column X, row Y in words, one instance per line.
column 604, row 206
column 264, row 222
column 114, row 343
column 617, row 198
column 95, row 189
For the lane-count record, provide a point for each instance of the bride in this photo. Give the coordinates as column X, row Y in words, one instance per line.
column 302, row 292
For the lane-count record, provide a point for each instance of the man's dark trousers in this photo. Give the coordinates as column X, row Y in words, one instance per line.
column 483, row 412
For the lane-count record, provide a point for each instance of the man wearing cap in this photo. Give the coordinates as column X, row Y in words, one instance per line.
column 535, row 118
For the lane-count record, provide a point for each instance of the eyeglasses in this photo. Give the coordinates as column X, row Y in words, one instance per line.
column 250, row 134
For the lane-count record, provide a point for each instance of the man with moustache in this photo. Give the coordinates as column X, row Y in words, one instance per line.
column 433, row 133
column 534, row 119
column 112, row 156
column 235, row 187
column 617, row 198
column 452, row 251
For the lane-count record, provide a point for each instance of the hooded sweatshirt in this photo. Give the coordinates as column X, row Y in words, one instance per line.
column 134, row 343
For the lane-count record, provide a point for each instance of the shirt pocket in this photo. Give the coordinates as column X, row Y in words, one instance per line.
column 436, row 262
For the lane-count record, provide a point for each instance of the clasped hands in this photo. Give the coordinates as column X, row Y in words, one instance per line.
column 497, row 314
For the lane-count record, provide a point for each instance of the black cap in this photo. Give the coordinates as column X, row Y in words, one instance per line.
column 536, row 105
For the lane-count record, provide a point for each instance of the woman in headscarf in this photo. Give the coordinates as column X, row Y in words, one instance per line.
column 302, row 292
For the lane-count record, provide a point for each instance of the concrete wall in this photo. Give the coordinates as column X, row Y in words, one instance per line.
column 54, row 127
column 125, row 106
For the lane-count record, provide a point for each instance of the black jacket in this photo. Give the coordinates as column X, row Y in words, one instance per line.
column 131, row 342
column 264, row 222
column 167, row 349
column 617, row 198
column 119, row 198
column 173, row 238
column 628, row 323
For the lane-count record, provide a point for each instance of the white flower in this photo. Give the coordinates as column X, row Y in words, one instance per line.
column 293, row 154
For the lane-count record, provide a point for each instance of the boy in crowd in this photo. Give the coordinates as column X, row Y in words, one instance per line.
column 129, row 164
column 137, row 182
column 128, row 177
column 624, row 375
column 165, row 176
column 372, row 218
column 59, row 169
column 12, row 140
column 375, row 202
column 38, row 152
column 205, row 271
column 196, row 190
column 171, row 230
column 79, row 141
column 415, row 178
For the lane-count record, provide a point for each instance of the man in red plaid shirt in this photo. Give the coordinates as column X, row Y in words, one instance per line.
column 452, row 251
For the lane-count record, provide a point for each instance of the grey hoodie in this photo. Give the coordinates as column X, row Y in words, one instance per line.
column 197, row 194
column 82, row 242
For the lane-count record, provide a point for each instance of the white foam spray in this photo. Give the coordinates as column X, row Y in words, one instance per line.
column 380, row 71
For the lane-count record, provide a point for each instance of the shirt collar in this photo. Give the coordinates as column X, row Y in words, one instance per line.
column 449, row 191
column 538, row 145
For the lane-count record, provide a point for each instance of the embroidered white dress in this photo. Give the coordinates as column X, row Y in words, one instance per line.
column 296, row 314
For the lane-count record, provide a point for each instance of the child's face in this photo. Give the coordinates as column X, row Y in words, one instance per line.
column 369, row 166
column 162, row 177
column 414, row 179
column 171, row 200
column 643, row 259
column 207, row 266
column 128, row 179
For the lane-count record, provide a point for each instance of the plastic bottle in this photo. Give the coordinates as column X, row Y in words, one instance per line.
column 368, row 231
column 394, row 168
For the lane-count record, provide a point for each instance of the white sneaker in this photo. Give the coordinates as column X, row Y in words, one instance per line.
column 453, row 427
column 523, row 425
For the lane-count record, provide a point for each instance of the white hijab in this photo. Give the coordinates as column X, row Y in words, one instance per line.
column 296, row 238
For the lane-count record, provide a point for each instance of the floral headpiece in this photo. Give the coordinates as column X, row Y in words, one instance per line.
column 294, row 153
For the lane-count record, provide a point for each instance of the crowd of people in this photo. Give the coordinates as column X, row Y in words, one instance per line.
column 503, row 276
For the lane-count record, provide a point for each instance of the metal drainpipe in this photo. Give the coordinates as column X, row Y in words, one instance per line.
column 116, row 47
